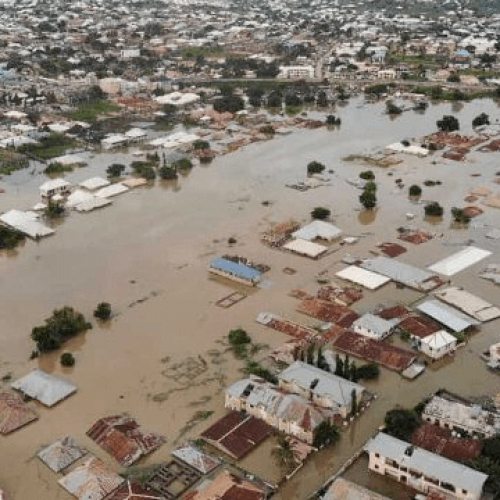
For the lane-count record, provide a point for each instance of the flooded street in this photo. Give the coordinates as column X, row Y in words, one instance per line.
column 161, row 358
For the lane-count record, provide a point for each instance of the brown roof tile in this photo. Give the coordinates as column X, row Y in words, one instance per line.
column 14, row 413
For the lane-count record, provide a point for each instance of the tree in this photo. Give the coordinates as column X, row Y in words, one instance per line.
column 10, row 238
column 339, row 366
column 67, row 359
column 310, row 354
column 371, row 187
column 482, row 119
column 392, row 109
column 284, row 453
column 320, row 213
column 103, row 311
column 448, row 124
column 238, row 337
column 182, row 164
column 321, row 362
column 54, row 210
column 401, row 423
column 315, row 167
column 167, row 173
column 115, row 170
column 459, row 215
column 325, row 434
column 415, row 190
column 353, row 372
column 347, row 368
column 368, row 199
column 62, row 325
column 230, row 103
column 332, row 120
column 200, row 144
column 454, row 78
column 367, row 175
column 369, row 371
column 433, row 209
column 491, row 448
column 354, row 402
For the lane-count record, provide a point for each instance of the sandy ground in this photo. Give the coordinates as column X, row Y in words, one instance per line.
column 161, row 358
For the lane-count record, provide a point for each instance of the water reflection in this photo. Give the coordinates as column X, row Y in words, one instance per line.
column 367, row 217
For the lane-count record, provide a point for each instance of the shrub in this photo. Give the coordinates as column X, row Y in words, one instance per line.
column 103, row 311
column 401, row 423
column 367, row 175
column 460, row 216
column 57, row 168
column 482, row 119
column 200, row 144
column 434, row 209
column 238, row 337
column 369, row 371
column 167, row 173
column 415, row 190
column 115, row 170
column 315, row 167
column 448, row 124
column 67, row 359
column 320, row 213
column 182, row 164
column 10, row 238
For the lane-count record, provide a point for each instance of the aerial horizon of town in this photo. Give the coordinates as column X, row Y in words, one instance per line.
column 250, row 250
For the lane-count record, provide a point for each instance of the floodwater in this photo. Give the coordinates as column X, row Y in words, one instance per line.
column 162, row 358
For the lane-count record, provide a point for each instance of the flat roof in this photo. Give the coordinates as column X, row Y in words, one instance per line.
column 447, row 316
column 363, row 277
column 429, row 464
column 236, row 269
column 25, row 223
column 459, row 261
column 342, row 489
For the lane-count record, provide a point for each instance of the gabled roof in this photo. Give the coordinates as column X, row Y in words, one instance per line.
column 61, row 454
column 196, row 458
column 133, row 491
column 46, row 388
column 92, row 480
column 318, row 229
column 14, row 413
column 448, row 316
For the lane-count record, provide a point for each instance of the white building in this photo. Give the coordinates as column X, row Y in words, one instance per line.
column 322, row 388
column 438, row 344
column 130, row 53
column 423, row 470
column 288, row 413
column 459, row 415
column 296, row 72
column 373, row 326
column 53, row 187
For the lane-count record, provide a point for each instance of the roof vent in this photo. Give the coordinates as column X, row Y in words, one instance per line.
column 409, row 451
column 314, row 383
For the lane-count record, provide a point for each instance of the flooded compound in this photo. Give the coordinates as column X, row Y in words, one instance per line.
column 164, row 358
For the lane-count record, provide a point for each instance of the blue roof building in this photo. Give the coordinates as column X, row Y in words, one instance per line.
column 235, row 271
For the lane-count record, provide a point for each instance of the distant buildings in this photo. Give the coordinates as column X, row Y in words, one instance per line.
column 297, row 72
column 423, row 470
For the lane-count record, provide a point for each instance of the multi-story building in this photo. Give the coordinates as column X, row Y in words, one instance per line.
column 422, row 470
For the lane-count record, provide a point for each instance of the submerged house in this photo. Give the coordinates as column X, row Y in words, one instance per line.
column 235, row 271
column 422, row 470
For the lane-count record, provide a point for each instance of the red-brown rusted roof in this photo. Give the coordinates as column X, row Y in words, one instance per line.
column 393, row 312
column 392, row 249
column 119, row 436
column 418, row 326
column 237, row 434
column 387, row 355
column 14, row 413
column 328, row 311
column 440, row 441
column 133, row 491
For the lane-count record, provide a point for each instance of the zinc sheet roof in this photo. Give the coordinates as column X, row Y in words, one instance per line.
column 304, row 247
column 468, row 303
column 14, row 413
column 428, row 463
column 54, row 184
column 398, row 271
column 459, row 261
column 94, row 183
column 61, row 454
column 318, row 229
column 196, row 458
column 91, row 481
column 439, row 340
column 362, row 277
column 46, row 388
column 342, row 489
column 25, row 223
column 447, row 316
column 112, row 190
column 236, row 269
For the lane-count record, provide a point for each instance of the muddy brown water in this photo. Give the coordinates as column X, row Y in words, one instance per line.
column 160, row 359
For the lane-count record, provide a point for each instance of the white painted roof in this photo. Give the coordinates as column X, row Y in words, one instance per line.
column 439, row 340
column 304, row 247
column 26, row 223
column 459, row 261
column 362, row 277
column 112, row 190
column 94, row 183
column 318, row 229
column 46, row 388
column 54, row 184
column 430, row 464
column 379, row 326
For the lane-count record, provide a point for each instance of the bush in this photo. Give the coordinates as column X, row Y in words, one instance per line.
column 103, row 311
column 315, row 167
column 200, row 144
column 67, row 359
column 448, row 124
column 369, row 371
column 57, row 168
column 229, row 103
column 182, row 164
column 415, row 190
column 460, row 216
column 320, row 213
column 167, row 173
column 62, row 325
column 401, row 423
column 144, row 169
column 253, row 368
column 434, row 209
column 10, row 238
column 115, row 170
column 368, row 199
column 482, row 119
column 325, row 434
column 239, row 337
column 367, row 175
column 332, row 120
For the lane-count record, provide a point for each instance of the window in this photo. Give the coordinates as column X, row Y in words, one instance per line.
column 377, row 455
column 376, row 467
column 404, row 469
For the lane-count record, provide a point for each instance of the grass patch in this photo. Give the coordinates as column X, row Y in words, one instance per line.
column 57, row 168
column 49, row 147
column 11, row 161
column 89, row 112
column 293, row 110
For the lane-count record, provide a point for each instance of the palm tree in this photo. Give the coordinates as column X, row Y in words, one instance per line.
column 284, row 453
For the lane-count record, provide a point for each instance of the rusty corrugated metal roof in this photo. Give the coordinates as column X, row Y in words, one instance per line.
column 120, row 436
column 133, row 491
column 14, row 413
column 61, row 454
